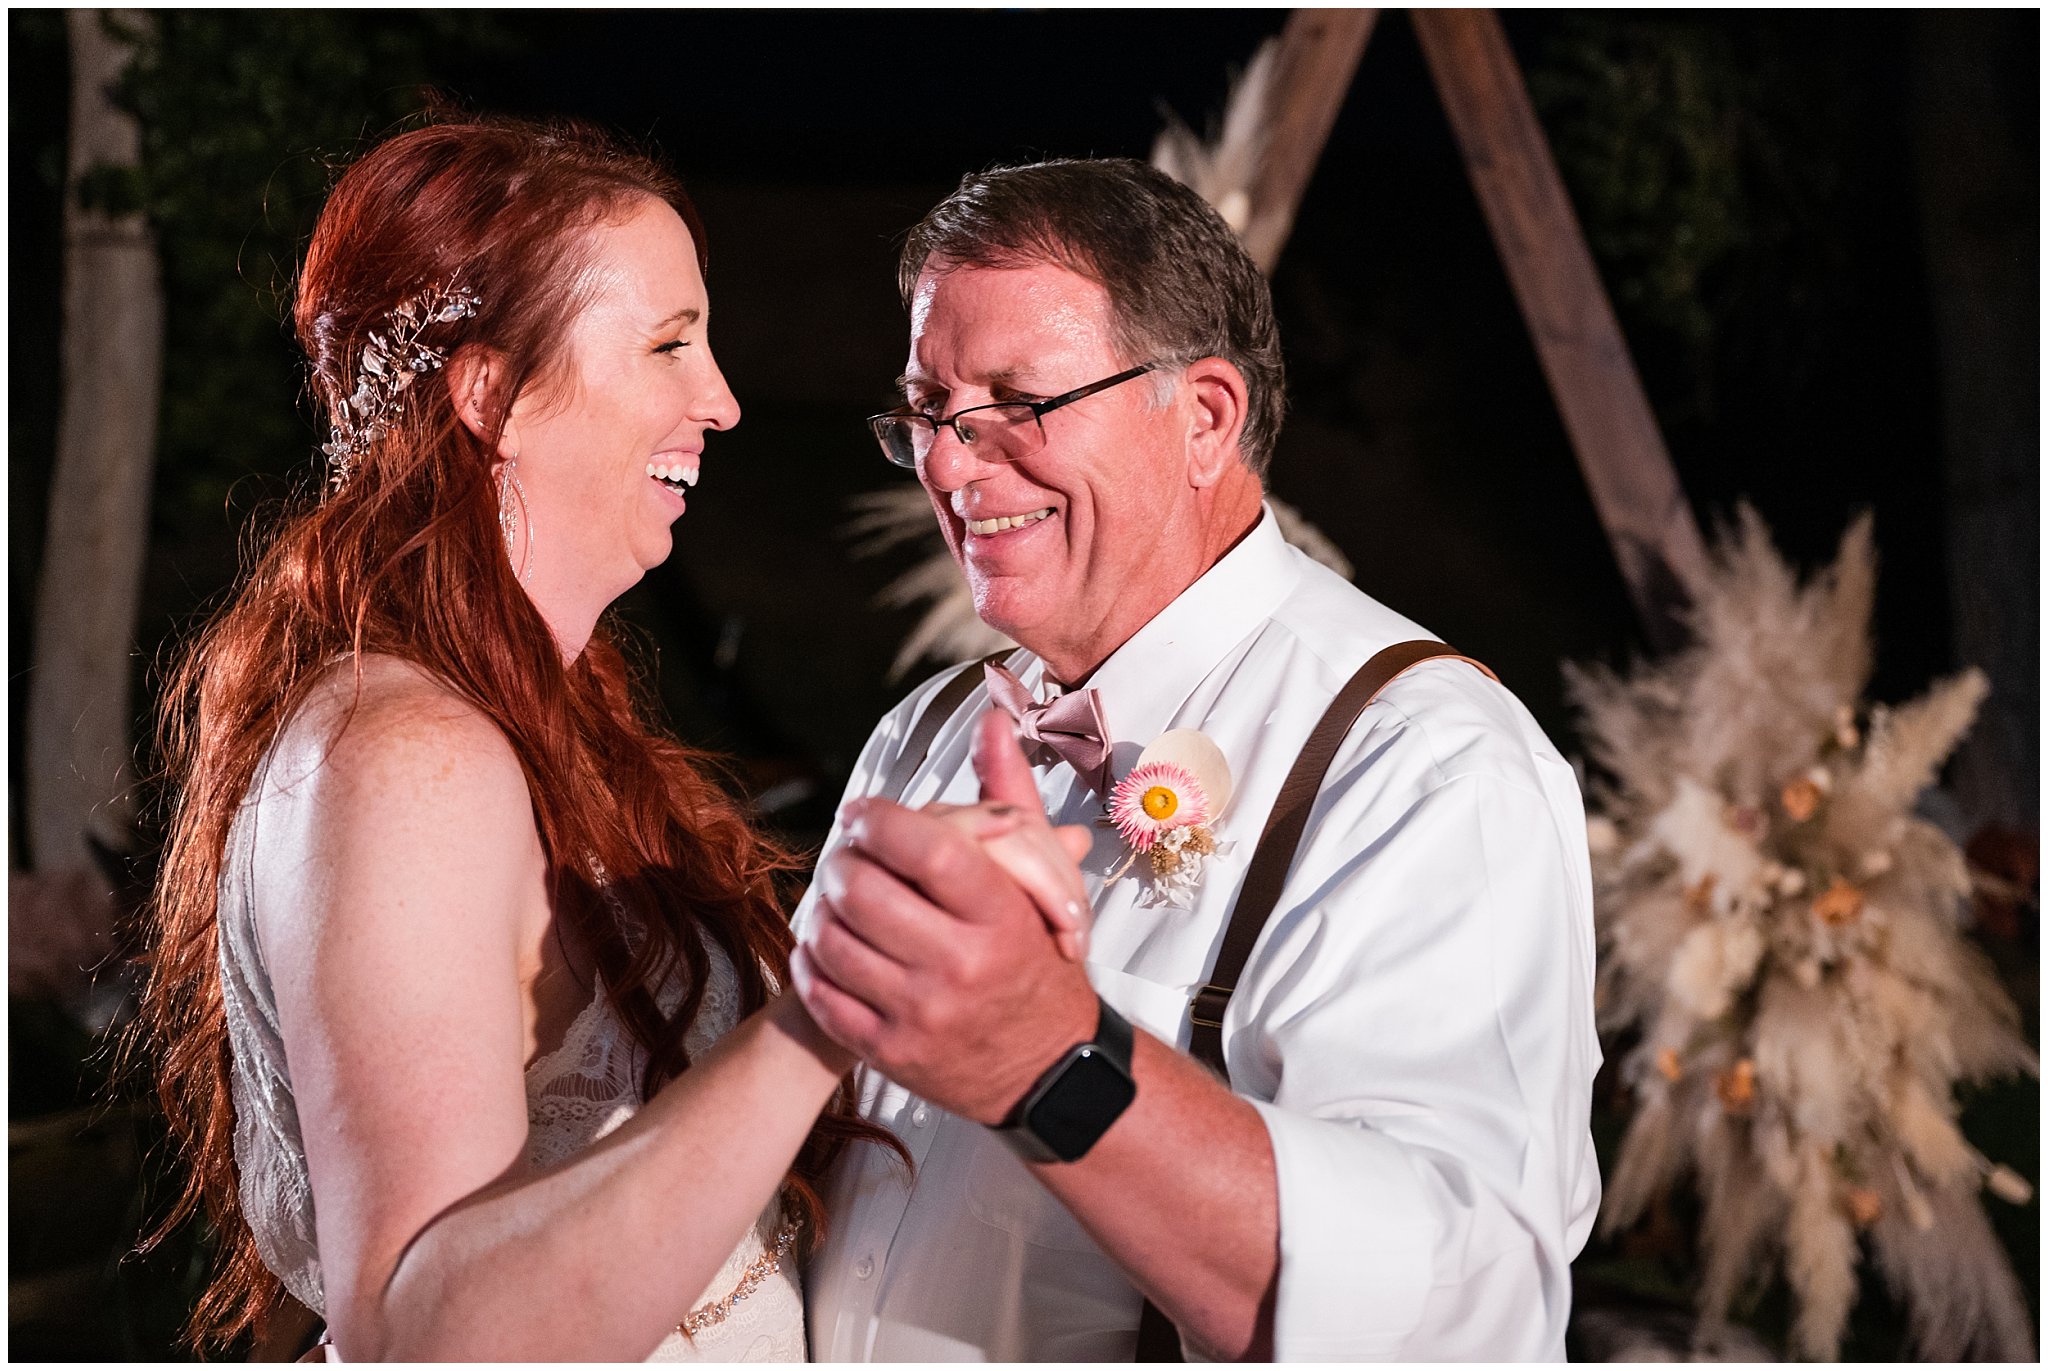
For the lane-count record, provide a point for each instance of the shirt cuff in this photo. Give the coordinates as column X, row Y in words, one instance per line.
column 1357, row 1239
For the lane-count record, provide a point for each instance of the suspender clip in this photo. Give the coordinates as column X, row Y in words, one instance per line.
column 1208, row 1006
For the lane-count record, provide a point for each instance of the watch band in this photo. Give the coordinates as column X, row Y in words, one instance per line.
column 1114, row 1034
column 1079, row 1096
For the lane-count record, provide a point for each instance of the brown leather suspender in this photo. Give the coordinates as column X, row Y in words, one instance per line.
column 919, row 744
column 1158, row 1340
column 1274, row 855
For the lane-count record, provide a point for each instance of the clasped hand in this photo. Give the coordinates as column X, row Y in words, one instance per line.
column 947, row 941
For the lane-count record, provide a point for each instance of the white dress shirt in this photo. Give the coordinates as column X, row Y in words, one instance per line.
column 1415, row 1025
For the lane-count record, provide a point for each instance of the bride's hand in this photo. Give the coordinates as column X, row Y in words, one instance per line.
column 1039, row 858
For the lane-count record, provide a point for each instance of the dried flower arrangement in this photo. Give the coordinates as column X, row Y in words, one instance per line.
column 1224, row 168
column 1784, row 935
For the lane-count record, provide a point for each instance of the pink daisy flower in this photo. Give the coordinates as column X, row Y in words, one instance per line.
column 1154, row 798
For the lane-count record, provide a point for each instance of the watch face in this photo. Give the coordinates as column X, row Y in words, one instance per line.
column 1082, row 1103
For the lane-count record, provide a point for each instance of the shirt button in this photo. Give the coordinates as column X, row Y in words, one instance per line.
column 920, row 1116
column 864, row 1268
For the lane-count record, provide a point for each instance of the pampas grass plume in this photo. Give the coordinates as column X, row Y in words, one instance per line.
column 1782, row 933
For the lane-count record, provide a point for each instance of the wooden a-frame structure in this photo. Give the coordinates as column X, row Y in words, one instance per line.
column 1586, row 361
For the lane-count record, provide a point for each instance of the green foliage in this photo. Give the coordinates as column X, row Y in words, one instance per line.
column 1648, row 118
column 247, row 116
column 1703, row 153
column 113, row 191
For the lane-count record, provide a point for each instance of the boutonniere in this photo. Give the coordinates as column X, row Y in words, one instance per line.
column 1167, row 810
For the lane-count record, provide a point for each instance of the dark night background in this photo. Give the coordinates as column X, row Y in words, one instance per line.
column 1766, row 197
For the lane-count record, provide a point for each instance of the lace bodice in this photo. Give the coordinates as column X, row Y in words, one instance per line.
column 589, row 1086
column 575, row 1095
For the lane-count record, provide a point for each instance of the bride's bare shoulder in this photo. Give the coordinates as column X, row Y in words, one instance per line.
column 396, row 809
column 394, row 830
column 383, row 730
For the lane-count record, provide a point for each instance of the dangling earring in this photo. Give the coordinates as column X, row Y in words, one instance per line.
column 511, row 513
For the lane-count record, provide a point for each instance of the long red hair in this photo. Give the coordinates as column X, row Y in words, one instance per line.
column 406, row 557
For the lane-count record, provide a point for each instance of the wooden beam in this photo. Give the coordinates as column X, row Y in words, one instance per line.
column 1635, row 489
column 1319, row 53
column 80, row 717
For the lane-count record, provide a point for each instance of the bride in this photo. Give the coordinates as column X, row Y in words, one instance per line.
column 463, row 977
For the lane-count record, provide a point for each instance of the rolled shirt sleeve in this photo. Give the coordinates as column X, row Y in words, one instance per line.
column 1415, row 1030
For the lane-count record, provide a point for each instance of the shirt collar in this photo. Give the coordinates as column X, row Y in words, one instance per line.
column 1144, row 683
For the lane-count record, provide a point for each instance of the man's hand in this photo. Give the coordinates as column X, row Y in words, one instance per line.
column 928, row 958
column 1038, row 858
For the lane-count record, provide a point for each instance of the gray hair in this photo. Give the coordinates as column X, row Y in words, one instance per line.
column 1180, row 284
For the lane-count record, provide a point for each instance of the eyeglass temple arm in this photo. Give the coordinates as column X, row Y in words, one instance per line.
column 1044, row 407
column 1038, row 407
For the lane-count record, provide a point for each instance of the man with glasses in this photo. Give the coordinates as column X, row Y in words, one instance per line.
column 1393, row 1159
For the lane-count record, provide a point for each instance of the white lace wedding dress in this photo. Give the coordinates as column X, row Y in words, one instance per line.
column 574, row 1095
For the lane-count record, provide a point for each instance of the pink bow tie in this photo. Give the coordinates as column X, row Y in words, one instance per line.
column 1070, row 726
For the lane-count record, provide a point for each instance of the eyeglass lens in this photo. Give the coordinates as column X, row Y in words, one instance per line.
column 999, row 432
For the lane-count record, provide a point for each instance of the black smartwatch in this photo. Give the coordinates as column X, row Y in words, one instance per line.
column 1075, row 1101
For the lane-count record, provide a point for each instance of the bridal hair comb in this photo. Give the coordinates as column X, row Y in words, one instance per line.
column 391, row 362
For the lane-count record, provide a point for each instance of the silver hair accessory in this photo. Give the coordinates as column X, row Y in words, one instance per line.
column 389, row 365
column 512, row 504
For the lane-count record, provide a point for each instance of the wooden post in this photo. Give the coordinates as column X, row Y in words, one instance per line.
column 1319, row 54
column 79, row 723
column 1635, row 490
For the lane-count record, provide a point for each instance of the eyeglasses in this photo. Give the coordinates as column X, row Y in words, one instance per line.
column 1000, row 432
